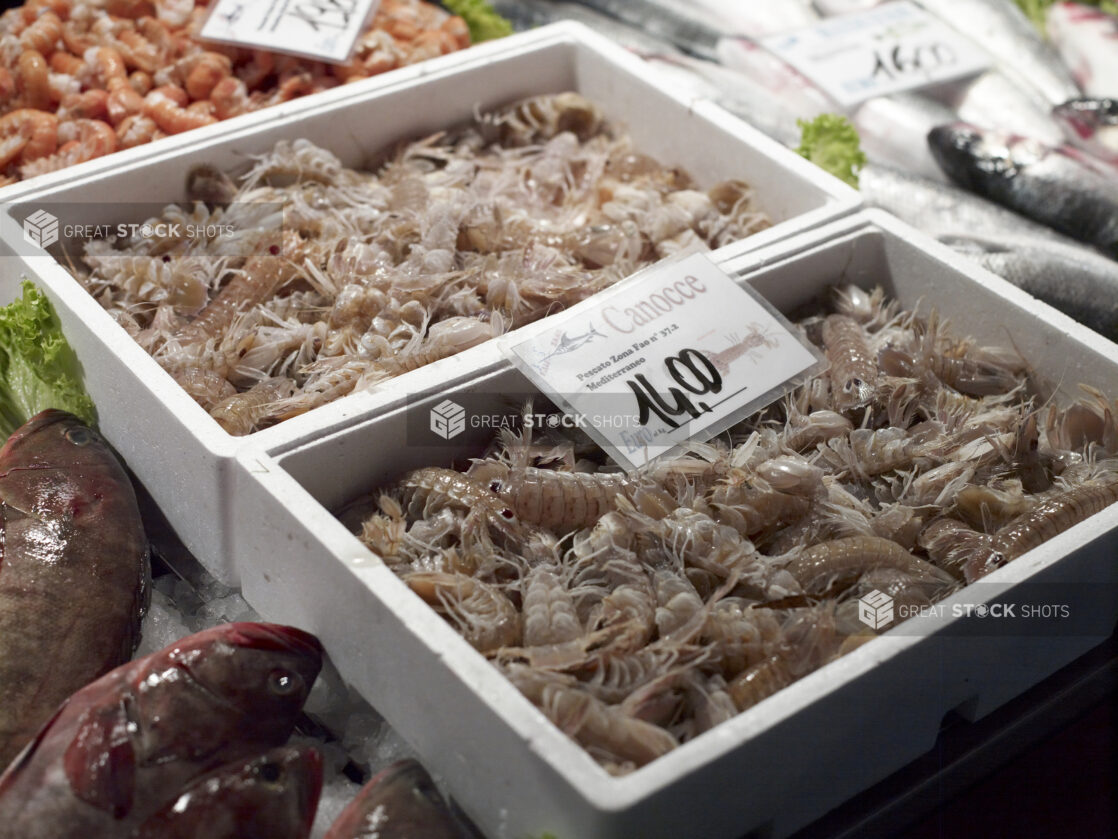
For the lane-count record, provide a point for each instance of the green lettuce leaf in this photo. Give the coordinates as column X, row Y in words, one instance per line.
column 1036, row 10
column 38, row 369
column 484, row 23
column 830, row 142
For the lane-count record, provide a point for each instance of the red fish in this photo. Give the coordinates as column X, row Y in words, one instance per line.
column 400, row 802
column 121, row 749
column 271, row 796
column 73, row 570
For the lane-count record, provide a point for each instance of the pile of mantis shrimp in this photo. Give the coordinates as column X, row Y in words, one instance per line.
column 638, row 610
column 337, row 279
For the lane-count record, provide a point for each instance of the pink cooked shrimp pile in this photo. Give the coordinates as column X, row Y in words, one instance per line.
column 80, row 79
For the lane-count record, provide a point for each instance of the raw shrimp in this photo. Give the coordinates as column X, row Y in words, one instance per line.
column 241, row 412
column 840, row 561
column 603, row 729
column 549, row 613
column 431, row 489
column 206, row 387
column 854, row 372
column 1052, row 517
column 560, row 501
column 483, row 614
column 543, row 117
column 274, row 263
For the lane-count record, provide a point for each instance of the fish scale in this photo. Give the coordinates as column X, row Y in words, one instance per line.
column 124, row 747
column 70, row 525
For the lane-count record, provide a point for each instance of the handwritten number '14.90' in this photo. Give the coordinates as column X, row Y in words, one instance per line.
column 693, row 372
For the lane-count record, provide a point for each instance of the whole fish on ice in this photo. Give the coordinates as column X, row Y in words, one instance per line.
column 527, row 14
column 1069, row 277
column 270, row 796
column 400, row 802
column 118, row 751
column 74, row 570
column 941, row 209
column 1002, row 29
column 675, row 22
column 1038, row 181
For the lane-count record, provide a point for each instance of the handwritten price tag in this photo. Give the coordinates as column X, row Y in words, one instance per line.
column 324, row 30
column 678, row 352
column 886, row 49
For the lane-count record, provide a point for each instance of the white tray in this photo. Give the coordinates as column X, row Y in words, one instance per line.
column 772, row 769
column 174, row 446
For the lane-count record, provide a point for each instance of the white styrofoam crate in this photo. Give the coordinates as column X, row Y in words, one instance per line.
column 174, row 446
column 771, row 769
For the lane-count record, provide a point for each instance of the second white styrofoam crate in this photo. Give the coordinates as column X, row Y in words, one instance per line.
column 177, row 449
column 771, row 769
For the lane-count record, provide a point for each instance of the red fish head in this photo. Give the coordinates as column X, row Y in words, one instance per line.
column 52, row 438
column 403, row 801
column 55, row 463
column 270, row 796
column 239, row 682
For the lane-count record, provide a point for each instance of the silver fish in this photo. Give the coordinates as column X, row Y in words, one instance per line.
column 891, row 128
column 992, row 100
column 527, row 14
column 1003, row 31
column 1043, row 183
column 665, row 19
column 944, row 210
column 1072, row 278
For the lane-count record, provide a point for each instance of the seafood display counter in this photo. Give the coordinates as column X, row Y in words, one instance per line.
column 799, row 753
column 356, row 257
column 178, row 449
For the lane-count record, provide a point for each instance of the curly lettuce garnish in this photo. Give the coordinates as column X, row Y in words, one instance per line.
column 38, row 369
column 830, row 142
column 484, row 22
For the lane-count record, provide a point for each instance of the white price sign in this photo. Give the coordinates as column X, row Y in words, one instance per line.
column 886, row 49
column 324, row 30
column 678, row 352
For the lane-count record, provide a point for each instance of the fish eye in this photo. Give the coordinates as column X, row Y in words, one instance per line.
column 79, row 436
column 284, row 682
column 270, row 772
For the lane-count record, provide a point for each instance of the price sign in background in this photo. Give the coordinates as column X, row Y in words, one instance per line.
column 886, row 49
column 324, row 30
column 678, row 352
